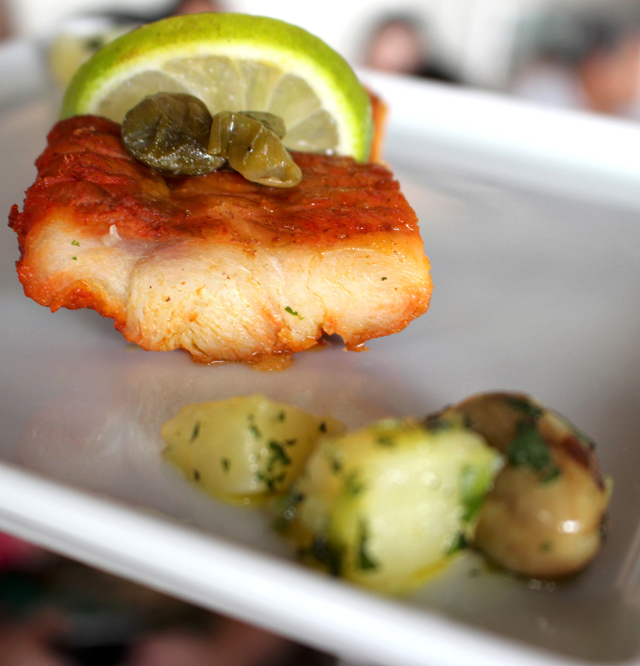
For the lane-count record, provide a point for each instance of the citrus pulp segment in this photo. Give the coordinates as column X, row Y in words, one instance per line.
column 233, row 62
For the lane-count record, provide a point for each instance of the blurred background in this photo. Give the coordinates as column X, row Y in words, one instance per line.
column 579, row 54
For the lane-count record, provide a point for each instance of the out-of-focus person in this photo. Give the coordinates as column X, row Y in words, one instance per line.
column 196, row 7
column 593, row 64
column 174, row 8
column 610, row 74
column 399, row 44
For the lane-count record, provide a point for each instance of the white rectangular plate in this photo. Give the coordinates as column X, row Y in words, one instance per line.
column 531, row 220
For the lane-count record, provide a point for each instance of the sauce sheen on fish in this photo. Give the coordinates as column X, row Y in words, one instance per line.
column 217, row 265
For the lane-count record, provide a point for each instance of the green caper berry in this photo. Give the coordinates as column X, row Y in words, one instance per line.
column 269, row 120
column 253, row 150
column 170, row 132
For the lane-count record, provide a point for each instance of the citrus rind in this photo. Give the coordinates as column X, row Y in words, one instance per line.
column 149, row 50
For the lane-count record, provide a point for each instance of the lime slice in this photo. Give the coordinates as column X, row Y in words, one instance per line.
column 233, row 62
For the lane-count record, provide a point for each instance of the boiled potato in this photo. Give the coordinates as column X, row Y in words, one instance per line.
column 387, row 505
column 245, row 448
column 545, row 514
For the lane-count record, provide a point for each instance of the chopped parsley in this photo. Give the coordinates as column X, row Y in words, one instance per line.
column 474, row 485
column 459, row 543
column 226, row 464
column 323, row 426
column 326, row 553
column 282, row 415
column 278, row 454
column 385, row 440
column 383, row 279
column 529, row 448
column 195, row 432
column 525, row 406
column 75, row 242
column 75, row 258
column 334, row 462
column 196, row 475
column 546, row 546
column 291, row 311
column 551, row 475
column 253, row 428
column 287, row 509
column 365, row 562
column 352, row 485
column 271, row 479
column 273, row 474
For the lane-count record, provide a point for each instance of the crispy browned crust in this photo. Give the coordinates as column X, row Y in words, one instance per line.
column 88, row 184
column 379, row 112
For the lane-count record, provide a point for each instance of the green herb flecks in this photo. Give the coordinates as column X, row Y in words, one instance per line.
column 546, row 546
column 282, row 415
column 459, row 543
column 253, row 428
column 525, row 406
column 325, row 553
column 271, row 479
column 353, row 485
column 278, row 454
column 291, row 311
column 75, row 242
column 75, row 258
column 287, row 509
column 195, row 432
column 551, row 474
column 383, row 279
column 529, row 448
column 385, row 440
column 196, row 475
column 474, row 484
column 364, row 561
column 226, row 464
column 334, row 461
column 273, row 474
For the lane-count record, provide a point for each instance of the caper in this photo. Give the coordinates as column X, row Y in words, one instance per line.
column 170, row 132
column 253, row 150
column 269, row 120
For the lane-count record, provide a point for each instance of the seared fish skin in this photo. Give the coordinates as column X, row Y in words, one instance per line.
column 214, row 264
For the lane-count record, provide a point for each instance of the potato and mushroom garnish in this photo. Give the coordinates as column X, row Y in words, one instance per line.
column 544, row 516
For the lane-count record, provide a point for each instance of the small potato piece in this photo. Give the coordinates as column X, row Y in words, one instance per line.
column 245, row 448
column 387, row 505
column 544, row 516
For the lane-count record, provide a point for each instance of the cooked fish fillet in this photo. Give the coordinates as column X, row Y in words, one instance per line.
column 214, row 264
